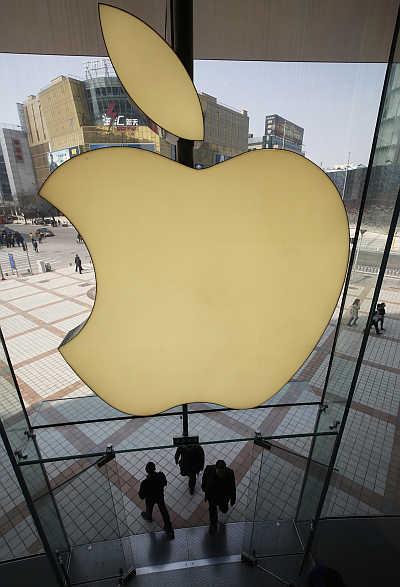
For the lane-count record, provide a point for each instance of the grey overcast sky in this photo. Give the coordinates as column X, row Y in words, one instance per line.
column 335, row 103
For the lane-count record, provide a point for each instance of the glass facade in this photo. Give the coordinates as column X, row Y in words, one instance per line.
column 5, row 189
column 108, row 102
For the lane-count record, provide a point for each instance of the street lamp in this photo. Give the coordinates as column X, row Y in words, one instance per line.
column 345, row 175
column 362, row 232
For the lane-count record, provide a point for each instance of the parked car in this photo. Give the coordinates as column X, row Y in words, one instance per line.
column 44, row 232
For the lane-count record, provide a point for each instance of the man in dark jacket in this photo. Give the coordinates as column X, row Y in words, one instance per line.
column 78, row 263
column 191, row 461
column 152, row 491
column 380, row 308
column 219, row 486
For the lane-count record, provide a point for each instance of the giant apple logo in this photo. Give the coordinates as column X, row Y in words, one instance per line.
column 217, row 283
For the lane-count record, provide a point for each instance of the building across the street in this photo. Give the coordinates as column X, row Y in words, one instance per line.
column 350, row 182
column 17, row 177
column 71, row 116
column 388, row 145
column 226, row 132
column 281, row 133
column 255, row 143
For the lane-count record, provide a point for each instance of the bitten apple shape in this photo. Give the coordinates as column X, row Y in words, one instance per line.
column 213, row 286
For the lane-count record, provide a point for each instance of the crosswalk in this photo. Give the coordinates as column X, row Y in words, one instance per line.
column 16, row 261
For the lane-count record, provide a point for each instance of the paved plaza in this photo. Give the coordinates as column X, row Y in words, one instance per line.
column 36, row 312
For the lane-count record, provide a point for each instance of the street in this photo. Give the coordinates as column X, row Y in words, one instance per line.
column 58, row 250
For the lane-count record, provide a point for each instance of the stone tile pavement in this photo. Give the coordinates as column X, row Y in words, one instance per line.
column 35, row 314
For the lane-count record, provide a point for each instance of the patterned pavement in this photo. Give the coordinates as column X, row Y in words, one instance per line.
column 35, row 314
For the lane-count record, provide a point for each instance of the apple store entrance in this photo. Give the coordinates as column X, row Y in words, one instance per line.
column 91, row 491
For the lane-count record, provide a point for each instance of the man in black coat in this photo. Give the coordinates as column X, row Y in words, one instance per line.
column 219, row 486
column 191, row 461
column 380, row 308
column 78, row 263
column 152, row 491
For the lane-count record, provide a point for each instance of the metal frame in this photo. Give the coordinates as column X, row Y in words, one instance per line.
column 163, row 414
column 173, row 446
column 60, row 576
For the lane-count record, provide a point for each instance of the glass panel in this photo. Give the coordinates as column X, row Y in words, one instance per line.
column 276, row 479
column 18, row 534
column 11, row 410
column 22, row 445
column 87, row 493
column 115, row 480
column 365, row 463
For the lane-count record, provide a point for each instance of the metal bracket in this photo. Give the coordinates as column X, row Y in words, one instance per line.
column 335, row 425
column 108, row 456
column 249, row 559
column 124, row 579
column 185, row 440
column 20, row 455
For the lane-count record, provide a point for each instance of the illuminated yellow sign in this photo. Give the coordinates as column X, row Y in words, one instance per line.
column 216, row 284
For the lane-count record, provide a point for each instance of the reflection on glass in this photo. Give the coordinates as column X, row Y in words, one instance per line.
column 363, row 480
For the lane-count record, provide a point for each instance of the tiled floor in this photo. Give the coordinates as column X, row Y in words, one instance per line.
column 35, row 314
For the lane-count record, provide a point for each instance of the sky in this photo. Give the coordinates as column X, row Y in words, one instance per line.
column 336, row 104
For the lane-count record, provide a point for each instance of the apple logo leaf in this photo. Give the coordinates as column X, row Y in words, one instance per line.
column 151, row 73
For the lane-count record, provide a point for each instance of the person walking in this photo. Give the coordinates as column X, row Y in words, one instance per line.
column 35, row 245
column 375, row 322
column 380, row 308
column 219, row 486
column 152, row 491
column 78, row 263
column 190, row 459
column 354, row 309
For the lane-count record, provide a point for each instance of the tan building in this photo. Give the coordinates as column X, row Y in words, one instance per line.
column 64, row 110
column 225, row 132
column 60, row 123
column 70, row 116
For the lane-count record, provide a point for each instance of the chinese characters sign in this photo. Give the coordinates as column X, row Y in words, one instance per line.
column 119, row 121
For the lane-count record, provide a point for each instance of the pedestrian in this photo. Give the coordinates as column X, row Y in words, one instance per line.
column 219, row 486
column 375, row 322
column 380, row 308
column 190, row 459
column 35, row 245
column 78, row 263
column 152, row 491
column 354, row 309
